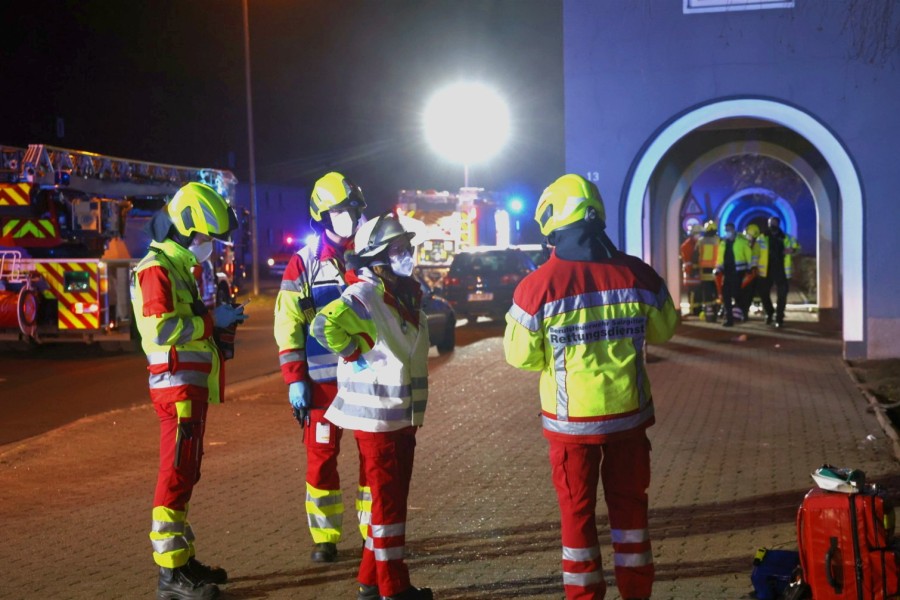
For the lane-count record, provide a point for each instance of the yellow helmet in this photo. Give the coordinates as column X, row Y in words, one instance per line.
column 752, row 230
column 710, row 226
column 333, row 190
column 566, row 202
column 197, row 208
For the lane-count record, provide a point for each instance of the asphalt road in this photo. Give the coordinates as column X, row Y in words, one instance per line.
column 50, row 386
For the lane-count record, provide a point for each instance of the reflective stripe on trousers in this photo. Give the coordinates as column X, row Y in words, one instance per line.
column 325, row 514
column 624, row 468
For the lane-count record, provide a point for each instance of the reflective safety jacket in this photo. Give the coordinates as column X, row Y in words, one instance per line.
column 762, row 254
column 690, row 273
column 382, row 336
column 583, row 325
column 176, row 329
column 707, row 256
column 743, row 254
column 313, row 277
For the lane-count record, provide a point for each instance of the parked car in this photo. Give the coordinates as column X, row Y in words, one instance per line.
column 441, row 318
column 481, row 281
column 537, row 252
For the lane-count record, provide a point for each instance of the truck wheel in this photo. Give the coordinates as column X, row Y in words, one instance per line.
column 27, row 311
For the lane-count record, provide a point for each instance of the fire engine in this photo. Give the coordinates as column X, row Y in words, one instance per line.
column 454, row 222
column 65, row 217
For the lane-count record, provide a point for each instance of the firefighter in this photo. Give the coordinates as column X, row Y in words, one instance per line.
column 751, row 284
column 582, row 320
column 707, row 251
column 690, row 273
column 177, row 334
column 734, row 258
column 315, row 276
column 379, row 329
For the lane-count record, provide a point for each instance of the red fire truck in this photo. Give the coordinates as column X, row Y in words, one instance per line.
column 70, row 232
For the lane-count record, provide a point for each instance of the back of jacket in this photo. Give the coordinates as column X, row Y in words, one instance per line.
column 584, row 325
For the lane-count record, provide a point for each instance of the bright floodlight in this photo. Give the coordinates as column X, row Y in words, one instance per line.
column 466, row 123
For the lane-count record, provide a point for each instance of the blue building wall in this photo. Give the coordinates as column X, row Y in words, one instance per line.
column 632, row 67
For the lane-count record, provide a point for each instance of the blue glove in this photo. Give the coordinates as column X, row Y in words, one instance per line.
column 226, row 315
column 360, row 364
column 298, row 394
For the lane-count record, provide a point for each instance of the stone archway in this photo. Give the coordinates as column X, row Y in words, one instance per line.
column 849, row 233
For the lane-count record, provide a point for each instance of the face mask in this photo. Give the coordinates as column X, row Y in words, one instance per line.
column 202, row 251
column 403, row 264
column 344, row 223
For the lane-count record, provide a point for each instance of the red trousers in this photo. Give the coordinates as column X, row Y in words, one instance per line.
column 623, row 466
column 181, row 429
column 322, row 450
column 180, row 454
column 386, row 461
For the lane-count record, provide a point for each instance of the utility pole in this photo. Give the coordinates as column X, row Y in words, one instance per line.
column 254, row 237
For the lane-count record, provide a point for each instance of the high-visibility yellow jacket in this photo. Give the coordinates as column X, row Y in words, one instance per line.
column 762, row 254
column 387, row 389
column 743, row 254
column 584, row 326
column 176, row 329
column 707, row 255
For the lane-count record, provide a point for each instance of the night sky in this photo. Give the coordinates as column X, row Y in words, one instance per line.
column 337, row 84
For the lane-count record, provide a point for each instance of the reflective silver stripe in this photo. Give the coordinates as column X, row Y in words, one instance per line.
column 639, row 371
column 367, row 412
column 168, row 527
column 328, row 500
column 580, row 554
column 171, row 544
column 640, row 559
column 629, row 536
column 194, row 357
column 295, row 285
column 601, row 298
column 322, row 360
column 168, row 328
column 210, row 217
column 322, row 367
column 598, row 427
column 357, row 306
column 166, row 380
column 364, row 496
column 364, row 516
column 323, row 373
column 582, row 579
column 392, row 530
column 158, row 358
column 189, row 532
column 292, row 356
column 529, row 322
column 325, row 522
column 378, row 389
column 386, row 554
column 559, row 374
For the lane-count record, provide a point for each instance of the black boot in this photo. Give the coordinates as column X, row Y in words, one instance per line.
column 412, row 594
column 207, row 573
column 367, row 592
column 181, row 584
column 324, row 552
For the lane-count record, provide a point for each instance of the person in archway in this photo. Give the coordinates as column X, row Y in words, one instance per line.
column 707, row 259
column 776, row 251
column 734, row 258
column 690, row 270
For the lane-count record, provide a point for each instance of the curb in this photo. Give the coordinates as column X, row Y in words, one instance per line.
column 875, row 406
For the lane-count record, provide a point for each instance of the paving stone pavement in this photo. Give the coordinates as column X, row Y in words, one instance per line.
column 741, row 423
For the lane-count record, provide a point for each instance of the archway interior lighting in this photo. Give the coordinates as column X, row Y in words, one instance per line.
column 466, row 123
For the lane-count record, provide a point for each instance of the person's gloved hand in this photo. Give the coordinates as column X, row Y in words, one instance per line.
column 360, row 364
column 226, row 315
column 298, row 394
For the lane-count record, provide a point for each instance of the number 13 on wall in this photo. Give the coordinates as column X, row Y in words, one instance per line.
column 593, row 176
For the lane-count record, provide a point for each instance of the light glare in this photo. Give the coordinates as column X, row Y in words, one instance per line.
column 466, row 123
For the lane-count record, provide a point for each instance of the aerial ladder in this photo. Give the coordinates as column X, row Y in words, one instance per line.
column 71, row 229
